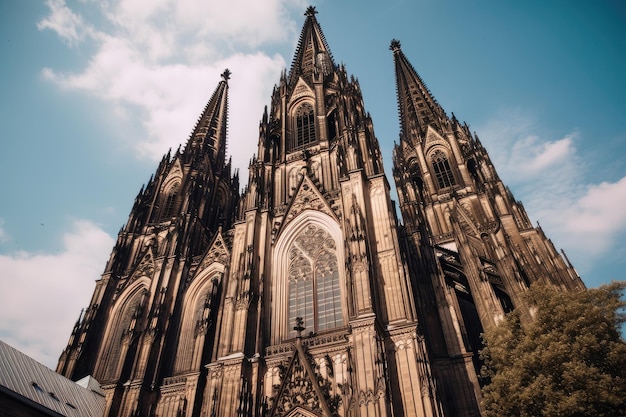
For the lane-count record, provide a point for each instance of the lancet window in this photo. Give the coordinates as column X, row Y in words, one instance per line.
column 305, row 126
column 313, row 282
column 443, row 172
column 122, row 335
column 170, row 201
column 198, row 319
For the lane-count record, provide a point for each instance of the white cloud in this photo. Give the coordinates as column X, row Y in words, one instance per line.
column 533, row 156
column 68, row 25
column 158, row 63
column 549, row 177
column 597, row 216
column 41, row 294
column 247, row 22
column 521, row 154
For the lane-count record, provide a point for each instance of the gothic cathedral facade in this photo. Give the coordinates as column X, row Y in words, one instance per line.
column 303, row 295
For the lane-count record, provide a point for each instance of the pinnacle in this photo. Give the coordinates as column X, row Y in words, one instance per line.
column 395, row 45
column 310, row 11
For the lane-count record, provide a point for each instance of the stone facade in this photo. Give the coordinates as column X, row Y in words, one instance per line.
column 303, row 295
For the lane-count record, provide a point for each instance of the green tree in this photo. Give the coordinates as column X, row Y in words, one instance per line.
column 569, row 361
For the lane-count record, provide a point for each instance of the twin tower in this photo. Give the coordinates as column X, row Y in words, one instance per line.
column 303, row 295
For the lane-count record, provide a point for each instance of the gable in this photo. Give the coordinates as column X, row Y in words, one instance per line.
column 175, row 174
column 302, row 391
column 217, row 253
column 301, row 89
column 145, row 269
column 307, row 197
column 433, row 138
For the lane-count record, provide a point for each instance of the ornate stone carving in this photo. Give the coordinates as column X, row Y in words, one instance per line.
column 145, row 268
column 365, row 326
column 369, row 396
column 301, row 90
column 299, row 388
column 308, row 197
column 218, row 252
column 404, row 338
column 434, row 139
column 243, row 303
column 216, row 371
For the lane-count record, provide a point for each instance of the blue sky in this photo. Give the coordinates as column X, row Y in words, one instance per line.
column 94, row 92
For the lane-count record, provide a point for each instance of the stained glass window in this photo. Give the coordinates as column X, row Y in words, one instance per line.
column 314, row 292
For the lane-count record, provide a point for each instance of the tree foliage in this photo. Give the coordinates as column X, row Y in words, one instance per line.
column 569, row 361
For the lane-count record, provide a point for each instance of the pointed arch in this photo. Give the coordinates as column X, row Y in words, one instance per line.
column 199, row 305
column 442, row 169
column 332, row 124
column 170, row 197
column 120, row 333
column 303, row 125
column 295, row 176
column 309, row 279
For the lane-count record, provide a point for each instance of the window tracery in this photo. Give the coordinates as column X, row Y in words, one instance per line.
column 126, row 326
column 198, row 317
column 305, row 126
column 170, row 201
column 443, row 172
column 313, row 280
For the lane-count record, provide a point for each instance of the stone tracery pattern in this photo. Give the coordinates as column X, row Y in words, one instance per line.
column 313, row 280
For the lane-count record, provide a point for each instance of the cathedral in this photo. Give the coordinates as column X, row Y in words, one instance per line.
column 304, row 295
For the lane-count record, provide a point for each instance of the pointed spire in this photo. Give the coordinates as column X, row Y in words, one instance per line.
column 312, row 57
column 415, row 102
column 80, row 318
column 209, row 134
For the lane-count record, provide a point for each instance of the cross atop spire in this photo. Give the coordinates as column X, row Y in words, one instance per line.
column 310, row 11
column 395, row 45
column 226, row 75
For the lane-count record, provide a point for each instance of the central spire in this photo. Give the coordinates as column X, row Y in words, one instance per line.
column 312, row 57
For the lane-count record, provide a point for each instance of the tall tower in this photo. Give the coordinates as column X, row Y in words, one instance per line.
column 318, row 315
column 129, row 334
column 474, row 249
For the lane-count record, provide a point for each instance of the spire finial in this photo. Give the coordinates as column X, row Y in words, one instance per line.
column 310, row 11
column 226, row 74
column 395, row 45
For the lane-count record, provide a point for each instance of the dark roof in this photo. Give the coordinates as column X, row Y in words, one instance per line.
column 27, row 380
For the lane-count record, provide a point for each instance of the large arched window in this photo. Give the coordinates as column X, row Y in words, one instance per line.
column 313, row 282
column 441, row 166
column 198, row 318
column 305, row 126
column 121, row 333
